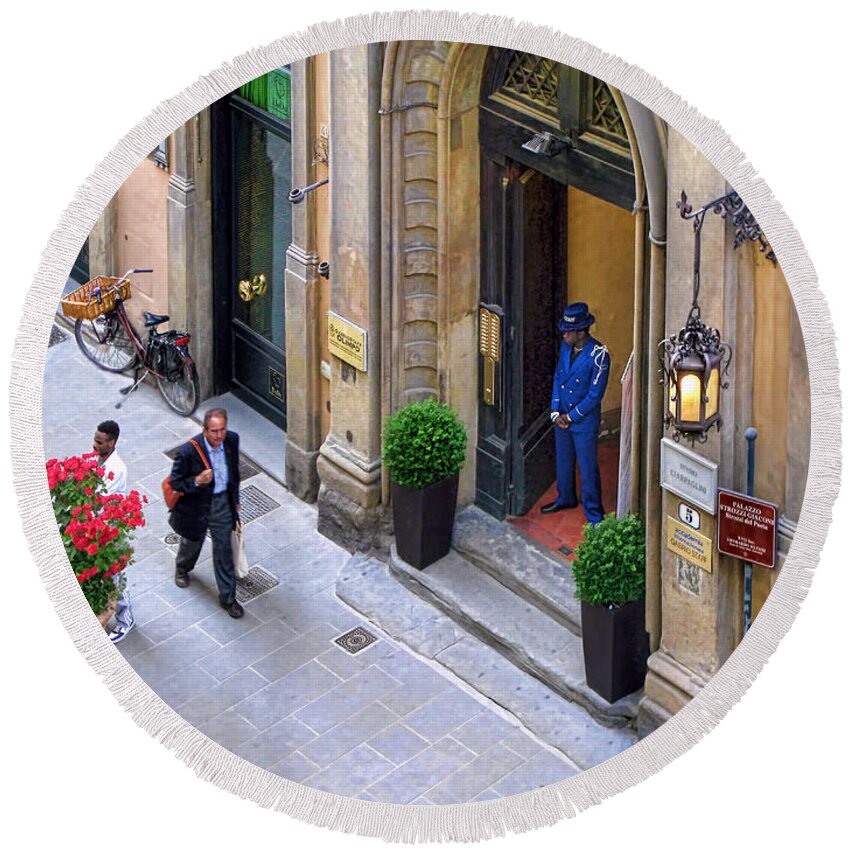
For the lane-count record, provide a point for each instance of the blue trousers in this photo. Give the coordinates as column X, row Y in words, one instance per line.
column 573, row 447
column 220, row 526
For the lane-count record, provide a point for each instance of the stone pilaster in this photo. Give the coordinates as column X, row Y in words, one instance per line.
column 102, row 243
column 303, row 351
column 701, row 612
column 190, row 296
column 349, row 464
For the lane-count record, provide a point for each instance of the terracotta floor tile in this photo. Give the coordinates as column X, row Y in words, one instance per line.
column 565, row 527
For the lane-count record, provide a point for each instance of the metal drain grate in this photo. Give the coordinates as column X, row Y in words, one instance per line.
column 57, row 335
column 247, row 469
column 355, row 640
column 256, row 582
column 255, row 503
column 565, row 550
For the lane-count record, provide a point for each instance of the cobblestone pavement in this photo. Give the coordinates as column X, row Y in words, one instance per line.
column 273, row 687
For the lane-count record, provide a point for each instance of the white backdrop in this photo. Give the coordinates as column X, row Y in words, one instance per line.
column 76, row 79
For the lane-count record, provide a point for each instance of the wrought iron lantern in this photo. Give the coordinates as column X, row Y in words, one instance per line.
column 695, row 360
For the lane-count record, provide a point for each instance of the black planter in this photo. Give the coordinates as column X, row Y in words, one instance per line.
column 424, row 520
column 616, row 647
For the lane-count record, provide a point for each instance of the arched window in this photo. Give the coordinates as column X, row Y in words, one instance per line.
column 558, row 120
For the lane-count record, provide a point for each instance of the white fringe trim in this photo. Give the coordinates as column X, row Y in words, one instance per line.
column 467, row 822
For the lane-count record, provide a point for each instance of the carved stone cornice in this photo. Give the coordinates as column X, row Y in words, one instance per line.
column 181, row 189
column 303, row 257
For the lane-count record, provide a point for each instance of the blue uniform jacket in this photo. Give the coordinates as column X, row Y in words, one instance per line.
column 578, row 389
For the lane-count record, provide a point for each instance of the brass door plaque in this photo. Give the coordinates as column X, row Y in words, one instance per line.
column 490, row 347
column 276, row 384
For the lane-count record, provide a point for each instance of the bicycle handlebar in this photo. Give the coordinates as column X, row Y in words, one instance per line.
column 98, row 291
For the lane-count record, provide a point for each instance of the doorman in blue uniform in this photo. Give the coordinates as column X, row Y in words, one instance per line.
column 581, row 378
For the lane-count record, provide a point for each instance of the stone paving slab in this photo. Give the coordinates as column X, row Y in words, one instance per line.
column 563, row 724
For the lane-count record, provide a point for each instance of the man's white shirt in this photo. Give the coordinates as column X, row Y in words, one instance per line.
column 117, row 483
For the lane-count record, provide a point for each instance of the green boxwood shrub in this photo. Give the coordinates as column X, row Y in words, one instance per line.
column 610, row 562
column 424, row 442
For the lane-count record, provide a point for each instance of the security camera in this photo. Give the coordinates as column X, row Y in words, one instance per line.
column 298, row 195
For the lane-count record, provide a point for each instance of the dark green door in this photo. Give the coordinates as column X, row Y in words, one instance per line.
column 255, row 227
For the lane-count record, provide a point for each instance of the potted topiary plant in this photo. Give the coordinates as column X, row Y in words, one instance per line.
column 610, row 576
column 424, row 449
column 96, row 528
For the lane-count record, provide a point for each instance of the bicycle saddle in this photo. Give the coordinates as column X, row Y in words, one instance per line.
column 152, row 320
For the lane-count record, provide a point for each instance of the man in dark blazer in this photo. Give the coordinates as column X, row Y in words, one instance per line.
column 210, row 501
column 581, row 377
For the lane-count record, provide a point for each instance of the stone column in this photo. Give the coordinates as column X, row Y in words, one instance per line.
column 700, row 611
column 190, row 293
column 303, row 324
column 349, row 464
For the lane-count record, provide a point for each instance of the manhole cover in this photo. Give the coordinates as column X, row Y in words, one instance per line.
column 254, row 503
column 256, row 582
column 247, row 469
column 355, row 640
column 172, row 538
column 56, row 336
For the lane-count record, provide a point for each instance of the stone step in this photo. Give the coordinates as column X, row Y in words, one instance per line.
column 365, row 583
column 520, row 564
column 520, row 631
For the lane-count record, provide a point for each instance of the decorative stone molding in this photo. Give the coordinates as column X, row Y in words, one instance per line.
column 419, row 74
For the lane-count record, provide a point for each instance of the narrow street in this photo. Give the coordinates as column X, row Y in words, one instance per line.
column 274, row 687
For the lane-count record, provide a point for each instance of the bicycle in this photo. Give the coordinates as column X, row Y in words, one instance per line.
column 108, row 339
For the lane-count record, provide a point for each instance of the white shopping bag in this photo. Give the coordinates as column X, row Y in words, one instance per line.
column 240, row 560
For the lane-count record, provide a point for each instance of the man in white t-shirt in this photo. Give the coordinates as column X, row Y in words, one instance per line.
column 115, row 479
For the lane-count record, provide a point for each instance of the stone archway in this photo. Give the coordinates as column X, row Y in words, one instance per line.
column 431, row 270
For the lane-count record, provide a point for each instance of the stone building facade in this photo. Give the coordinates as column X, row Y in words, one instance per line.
column 435, row 207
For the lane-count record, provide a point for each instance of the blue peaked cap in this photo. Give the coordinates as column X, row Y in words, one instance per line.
column 576, row 317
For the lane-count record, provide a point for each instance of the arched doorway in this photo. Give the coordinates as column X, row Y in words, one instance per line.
column 556, row 226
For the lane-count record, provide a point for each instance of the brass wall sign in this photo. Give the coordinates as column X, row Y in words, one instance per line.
column 490, row 348
column 276, row 384
column 347, row 341
column 688, row 544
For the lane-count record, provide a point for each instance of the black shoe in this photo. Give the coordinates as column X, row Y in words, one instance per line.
column 554, row 507
column 233, row 608
column 182, row 579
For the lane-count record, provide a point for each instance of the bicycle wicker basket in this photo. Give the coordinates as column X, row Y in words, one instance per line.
column 81, row 304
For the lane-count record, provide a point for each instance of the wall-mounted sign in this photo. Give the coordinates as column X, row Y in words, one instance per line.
column 347, row 341
column 746, row 528
column 689, row 515
column 688, row 475
column 688, row 544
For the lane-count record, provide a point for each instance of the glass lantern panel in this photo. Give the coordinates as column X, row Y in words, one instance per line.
column 713, row 393
column 690, row 397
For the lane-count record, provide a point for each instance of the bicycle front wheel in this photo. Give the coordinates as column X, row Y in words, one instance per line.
column 105, row 342
column 184, row 394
